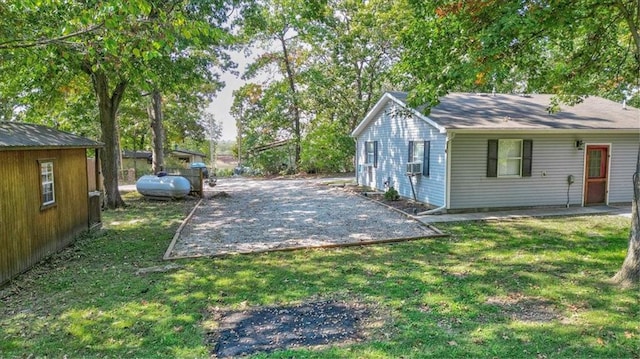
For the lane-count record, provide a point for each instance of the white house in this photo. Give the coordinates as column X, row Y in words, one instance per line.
column 481, row 151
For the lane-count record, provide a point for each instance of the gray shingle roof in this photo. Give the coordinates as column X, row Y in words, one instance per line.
column 530, row 112
column 20, row 135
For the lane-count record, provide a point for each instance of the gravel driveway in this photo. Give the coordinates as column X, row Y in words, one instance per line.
column 245, row 215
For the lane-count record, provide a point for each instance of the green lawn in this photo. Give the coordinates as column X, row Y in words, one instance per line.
column 515, row 289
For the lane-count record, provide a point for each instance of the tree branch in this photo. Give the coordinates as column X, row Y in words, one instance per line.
column 633, row 27
column 21, row 44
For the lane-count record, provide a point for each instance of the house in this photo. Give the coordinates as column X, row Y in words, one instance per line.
column 481, row 151
column 45, row 198
column 187, row 156
column 131, row 158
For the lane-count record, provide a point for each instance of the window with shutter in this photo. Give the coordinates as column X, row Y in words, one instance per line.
column 371, row 153
column 509, row 158
column 419, row 153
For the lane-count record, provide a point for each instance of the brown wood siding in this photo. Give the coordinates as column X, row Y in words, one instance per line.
column 27, row 233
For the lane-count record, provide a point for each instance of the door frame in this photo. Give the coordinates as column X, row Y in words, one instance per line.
column 584, row 171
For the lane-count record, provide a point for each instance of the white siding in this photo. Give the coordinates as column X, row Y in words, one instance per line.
column 554, row 158
column 624, row 156
column 393, row 133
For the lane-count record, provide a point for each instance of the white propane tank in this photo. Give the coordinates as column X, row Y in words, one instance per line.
column 165, row 186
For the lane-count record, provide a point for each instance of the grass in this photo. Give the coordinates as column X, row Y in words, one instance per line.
column 535, row 288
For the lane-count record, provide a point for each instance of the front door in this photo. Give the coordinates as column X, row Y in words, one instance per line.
column 595, row 189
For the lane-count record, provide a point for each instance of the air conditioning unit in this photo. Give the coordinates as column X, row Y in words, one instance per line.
column 414, row 168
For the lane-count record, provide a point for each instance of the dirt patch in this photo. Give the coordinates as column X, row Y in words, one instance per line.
column 267, row 329
column 526, row 309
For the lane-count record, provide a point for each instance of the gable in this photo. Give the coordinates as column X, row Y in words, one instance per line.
column 394, row 99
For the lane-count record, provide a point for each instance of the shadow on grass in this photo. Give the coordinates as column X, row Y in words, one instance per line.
column 445, row 296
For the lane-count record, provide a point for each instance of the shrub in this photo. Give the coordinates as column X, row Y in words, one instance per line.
column 391, row 194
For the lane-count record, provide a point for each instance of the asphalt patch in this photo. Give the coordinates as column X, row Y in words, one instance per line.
column 269, row 329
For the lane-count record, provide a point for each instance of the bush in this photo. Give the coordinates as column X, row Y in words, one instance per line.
column 391, row 194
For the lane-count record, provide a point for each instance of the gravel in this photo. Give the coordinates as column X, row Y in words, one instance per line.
column 245, row 215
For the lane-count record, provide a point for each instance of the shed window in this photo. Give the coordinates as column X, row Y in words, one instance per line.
column 509, row 158
column 47, row 190
column 419, row 152
column 371, row 153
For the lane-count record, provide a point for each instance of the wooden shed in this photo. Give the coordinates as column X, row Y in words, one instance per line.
column 45, row 198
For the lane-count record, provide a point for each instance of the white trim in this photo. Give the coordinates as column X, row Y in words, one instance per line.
column 47, row 166
column 584, row 170
column 447, row 160
column 521, row 158
column 355, row 164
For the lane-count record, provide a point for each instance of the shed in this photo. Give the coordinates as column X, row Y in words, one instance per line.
column 44, row 193
column 487, row 151
column 188, row 156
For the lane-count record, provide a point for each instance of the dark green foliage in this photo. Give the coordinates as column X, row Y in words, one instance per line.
column 328, row 149
column 391, row 194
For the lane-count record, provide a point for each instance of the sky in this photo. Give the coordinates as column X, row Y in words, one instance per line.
column 221, row 104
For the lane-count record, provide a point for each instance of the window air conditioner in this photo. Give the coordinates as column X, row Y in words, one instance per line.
column 414, row 168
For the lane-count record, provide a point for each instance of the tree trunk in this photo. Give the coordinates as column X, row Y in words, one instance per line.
column 157, row 131
column 108, row 109
column 629, row 274
column 295, row 108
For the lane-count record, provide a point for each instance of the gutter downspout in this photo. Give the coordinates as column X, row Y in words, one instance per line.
column 447, row 158
column 355, row 162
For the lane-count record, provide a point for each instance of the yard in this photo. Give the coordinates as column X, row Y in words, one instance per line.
column 533, row 288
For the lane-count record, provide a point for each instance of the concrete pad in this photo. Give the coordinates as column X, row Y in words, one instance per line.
column 526, row 213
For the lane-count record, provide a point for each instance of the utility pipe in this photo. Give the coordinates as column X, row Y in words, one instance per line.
column 412, row 189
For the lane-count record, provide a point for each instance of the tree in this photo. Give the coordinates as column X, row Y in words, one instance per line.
column 279, row 25
column 352, row 56
column 570, row 48
column 113, row 43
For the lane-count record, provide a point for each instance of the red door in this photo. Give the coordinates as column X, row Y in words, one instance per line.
column 595, row 189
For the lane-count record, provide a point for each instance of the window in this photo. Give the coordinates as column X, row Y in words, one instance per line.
column 371, row 153
column 47, row 190
column 509, row 158
column 419, row 152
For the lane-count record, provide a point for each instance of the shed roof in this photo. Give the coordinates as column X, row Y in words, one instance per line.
column 136, row 154
column 21, row 135
column 472, row 111
column 179, row 151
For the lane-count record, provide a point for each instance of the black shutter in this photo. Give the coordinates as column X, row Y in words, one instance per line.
column 425, row 159
column 410, row 157
column 375, row 154
column 492, row 158
column 527, row 150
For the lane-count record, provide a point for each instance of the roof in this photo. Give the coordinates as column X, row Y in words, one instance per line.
column 187, row 152
column 136, row 154
column 21, row 135
column 462, row 111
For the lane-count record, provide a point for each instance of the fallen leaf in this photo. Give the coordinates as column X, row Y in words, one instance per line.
column 453, row 343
